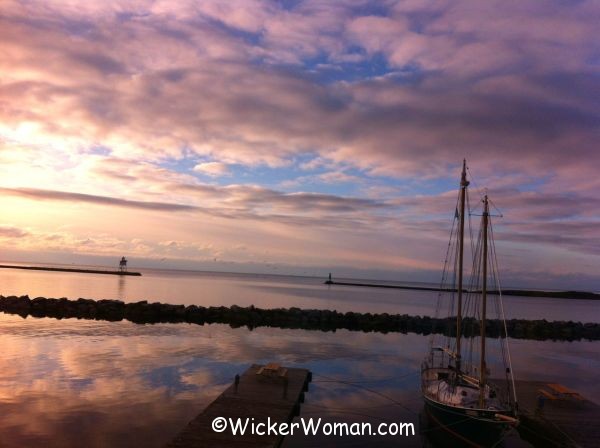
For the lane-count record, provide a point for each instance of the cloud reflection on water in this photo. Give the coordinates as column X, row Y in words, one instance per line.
column 86, row 383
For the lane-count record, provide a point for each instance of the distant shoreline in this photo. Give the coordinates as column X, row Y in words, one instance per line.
column 81, row 271
column 507, row 292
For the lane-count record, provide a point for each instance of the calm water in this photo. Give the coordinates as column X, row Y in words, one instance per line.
column 70, row 383
column 266, row 291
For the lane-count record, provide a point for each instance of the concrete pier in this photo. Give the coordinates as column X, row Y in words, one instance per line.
column 260, row 393
column 584, row 295
column 76, row 270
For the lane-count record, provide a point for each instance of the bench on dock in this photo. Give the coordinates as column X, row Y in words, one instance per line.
column 563, row 393
column 547, row 395
column 272, row 369
column 554, row 391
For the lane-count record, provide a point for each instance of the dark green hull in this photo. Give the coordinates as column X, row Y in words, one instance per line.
column 467, row 427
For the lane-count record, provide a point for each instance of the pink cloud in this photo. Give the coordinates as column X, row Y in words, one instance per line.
column 213, row 169
column 115, row 97
column 243, row 83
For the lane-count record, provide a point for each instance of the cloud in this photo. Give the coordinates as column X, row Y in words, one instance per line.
column 12, row 232
column 36, row 194
column 213, row 169
column 237, row 202
column 472, row 93
column 119, row 101
column 328, row 177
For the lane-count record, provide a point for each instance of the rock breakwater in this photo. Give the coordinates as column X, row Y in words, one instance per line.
column 295, row 318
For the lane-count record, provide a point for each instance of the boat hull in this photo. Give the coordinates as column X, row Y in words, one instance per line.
column 468, row 427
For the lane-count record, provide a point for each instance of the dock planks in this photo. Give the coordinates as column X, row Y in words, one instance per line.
column 258, row 397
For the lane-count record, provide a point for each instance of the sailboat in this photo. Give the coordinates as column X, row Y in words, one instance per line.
column 460, row 395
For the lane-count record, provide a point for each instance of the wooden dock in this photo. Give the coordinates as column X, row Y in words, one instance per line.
column 260, row 394
column 552, row 415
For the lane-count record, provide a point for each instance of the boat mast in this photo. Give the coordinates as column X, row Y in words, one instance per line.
column 482, row 366
column 464, row 183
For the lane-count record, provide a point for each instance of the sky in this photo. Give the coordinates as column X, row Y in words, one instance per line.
column 300, row 137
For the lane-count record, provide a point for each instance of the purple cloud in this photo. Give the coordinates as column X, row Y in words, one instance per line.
column 381, row 93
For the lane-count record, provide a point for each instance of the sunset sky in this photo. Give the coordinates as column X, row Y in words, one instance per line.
column 300, row 136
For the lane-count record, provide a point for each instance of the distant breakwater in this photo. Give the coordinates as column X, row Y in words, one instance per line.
column 76, row 270
column 294, row 318
column 582, row 295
